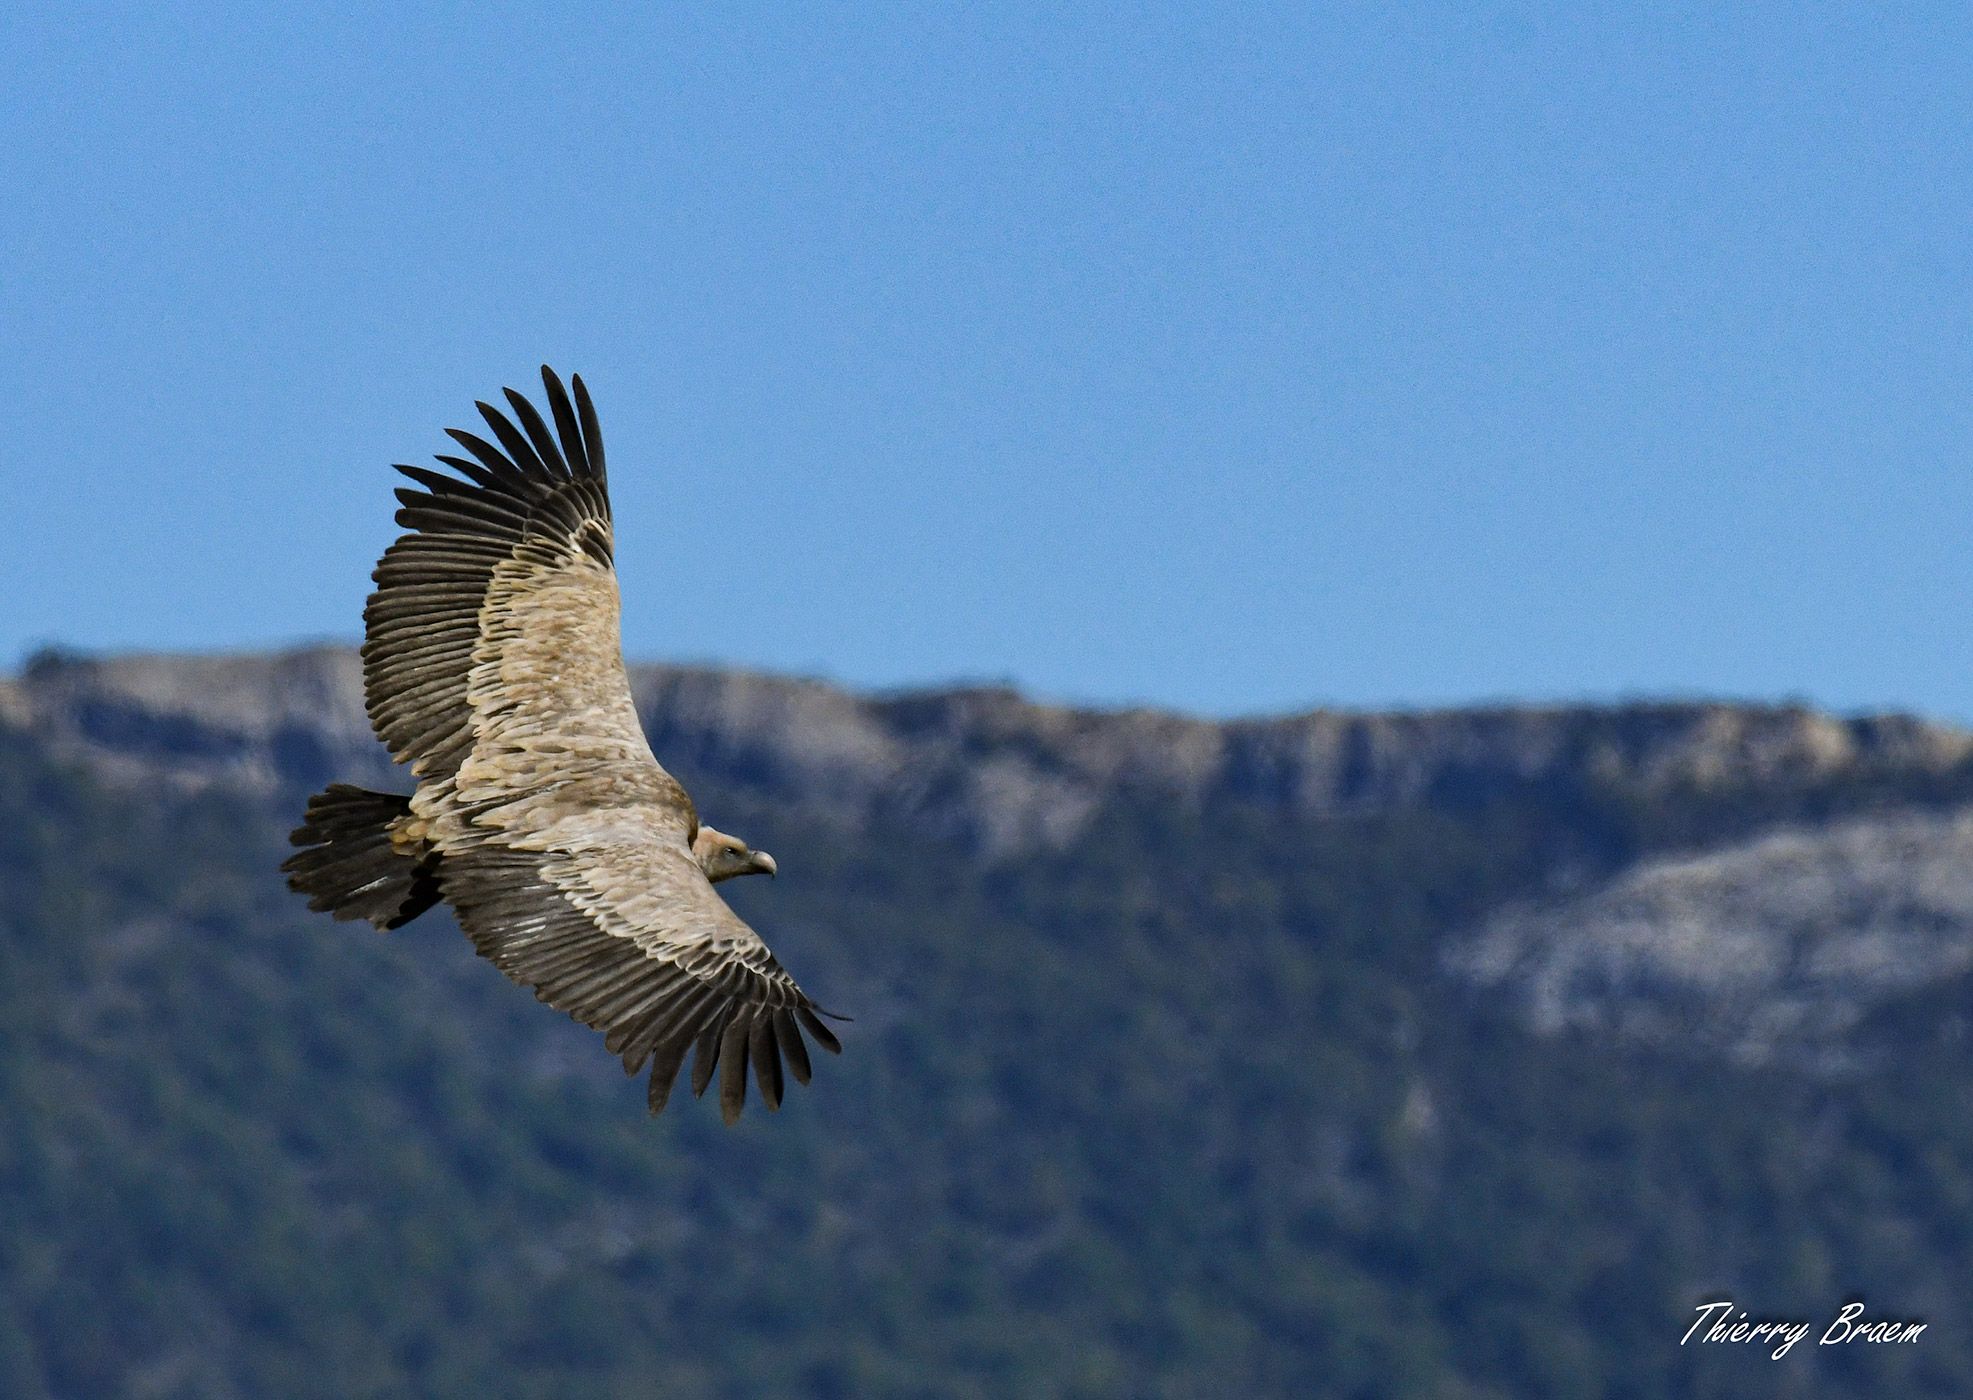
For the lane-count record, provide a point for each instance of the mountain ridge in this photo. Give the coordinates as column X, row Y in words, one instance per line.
column 984, row 764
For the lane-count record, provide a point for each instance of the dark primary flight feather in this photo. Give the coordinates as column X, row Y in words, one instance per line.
column 492, row 666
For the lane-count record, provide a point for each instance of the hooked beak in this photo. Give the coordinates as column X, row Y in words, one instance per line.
column 763, row 862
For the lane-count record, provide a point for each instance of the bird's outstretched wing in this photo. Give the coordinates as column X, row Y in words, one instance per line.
column 625, row 934
column 492, row 665
column 495, row 618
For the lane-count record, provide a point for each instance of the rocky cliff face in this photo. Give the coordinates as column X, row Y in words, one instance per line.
column 985, row 766
column 1768, row 950
column 251, row 721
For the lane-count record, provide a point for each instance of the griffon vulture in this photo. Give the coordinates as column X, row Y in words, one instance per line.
column 492, row 666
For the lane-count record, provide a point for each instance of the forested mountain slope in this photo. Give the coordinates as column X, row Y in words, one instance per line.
column 1190, row 1059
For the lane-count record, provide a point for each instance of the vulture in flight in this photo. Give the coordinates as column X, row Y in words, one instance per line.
column 577, row 865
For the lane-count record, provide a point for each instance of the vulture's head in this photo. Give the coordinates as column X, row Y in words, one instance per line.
column 722, row 856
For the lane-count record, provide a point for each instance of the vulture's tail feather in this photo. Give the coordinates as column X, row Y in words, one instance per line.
column 351, row 867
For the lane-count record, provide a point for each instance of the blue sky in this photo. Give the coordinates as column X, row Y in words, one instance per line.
column 1235, row 359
